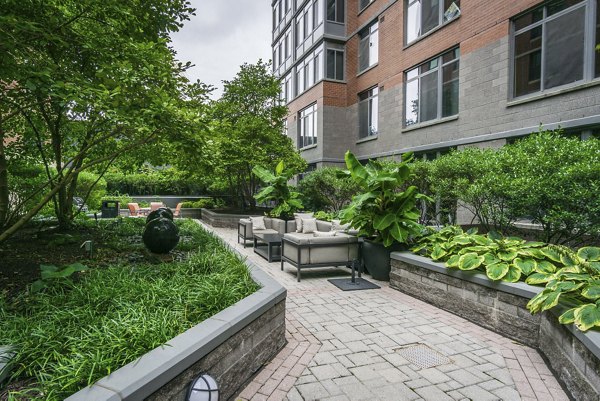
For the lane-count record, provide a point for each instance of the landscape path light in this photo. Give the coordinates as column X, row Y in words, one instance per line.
column 203, row 388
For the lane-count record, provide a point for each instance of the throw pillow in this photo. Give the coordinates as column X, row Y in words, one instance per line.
column 298, row 219
column 258, row 223
column 337, row 226
column 309, row 226
column 325, row 233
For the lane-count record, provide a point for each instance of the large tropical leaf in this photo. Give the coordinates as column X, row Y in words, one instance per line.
column 383, row 222
column 497, row 271
column 358, row 172
column 263, row 174
column 587, row 316
column 279, row 168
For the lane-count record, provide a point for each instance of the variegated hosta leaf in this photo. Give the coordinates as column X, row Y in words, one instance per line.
column 535, row 304
column 591, row 291
column 453, row 261
column 567, row 260
column 543, row 266
column 587, row 316
column 526, row 265
column 551, row 300
column 489, row 259
column 568, row 317
column 507, row 255
column 567, row 286
column 569, row 269
column 461, row 240
column 538, row 278
column 438, row 253
column 589, row 253
column 533, row 252
column 497, row 270
column 513, row 275
column 535, row 244
column 551, row 254
column 470, row 261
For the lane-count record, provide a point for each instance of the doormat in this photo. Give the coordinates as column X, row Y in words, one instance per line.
column 346, row 284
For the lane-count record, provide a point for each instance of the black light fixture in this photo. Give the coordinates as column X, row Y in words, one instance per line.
column 203, row 388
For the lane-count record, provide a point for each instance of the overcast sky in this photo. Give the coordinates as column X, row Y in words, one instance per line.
column 223, row 35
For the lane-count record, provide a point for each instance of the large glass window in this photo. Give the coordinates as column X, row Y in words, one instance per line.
column 335, row 11
column 432, row 89
column 549, row 45
column 310, row 70
column 368, row 110
column 362, row 4
column 424, row 15
column 307, row 126
column 308, row 20
column 368, row 48
column 335, row 64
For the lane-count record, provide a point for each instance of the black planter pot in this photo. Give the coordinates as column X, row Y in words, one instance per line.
column 376, row 258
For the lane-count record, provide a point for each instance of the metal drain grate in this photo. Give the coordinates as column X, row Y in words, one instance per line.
column 422, row 356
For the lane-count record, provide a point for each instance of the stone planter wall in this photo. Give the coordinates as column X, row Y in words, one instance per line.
column 222, row 220
column 230, row 346
column 501, row 307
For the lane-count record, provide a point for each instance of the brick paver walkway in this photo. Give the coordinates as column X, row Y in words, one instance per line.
column 345, row 346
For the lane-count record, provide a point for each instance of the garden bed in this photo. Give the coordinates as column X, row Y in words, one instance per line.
column 140, row 301
column 501, row 306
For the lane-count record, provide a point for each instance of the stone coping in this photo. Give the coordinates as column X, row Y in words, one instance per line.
column 590, row 339
column 142, row 377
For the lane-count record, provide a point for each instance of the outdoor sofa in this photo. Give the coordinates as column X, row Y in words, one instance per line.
column 246, row 231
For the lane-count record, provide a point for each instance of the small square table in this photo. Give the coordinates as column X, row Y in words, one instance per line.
column 268, row 246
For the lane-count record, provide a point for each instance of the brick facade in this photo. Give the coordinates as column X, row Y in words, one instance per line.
column 486, row 109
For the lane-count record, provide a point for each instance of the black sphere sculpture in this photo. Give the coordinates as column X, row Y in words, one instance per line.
column 161, row 235
column 160, row 212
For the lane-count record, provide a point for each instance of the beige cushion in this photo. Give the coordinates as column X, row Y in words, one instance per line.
column 324, row 233
column 309, row 226
column 298, row 218
column 258, row 223
column 336, row 225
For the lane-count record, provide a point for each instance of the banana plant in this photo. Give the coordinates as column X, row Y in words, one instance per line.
column 287, row 201
column 383, row 211
column 575, row 286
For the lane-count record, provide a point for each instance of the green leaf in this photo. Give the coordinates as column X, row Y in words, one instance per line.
column 358, row 172
column 589, row 253
column 551, row 254
column 494, row 235
column 279, row 168
column 438, row 253
column 527, row 266
column 538, row 278
column 497, row 270
column 543, row 266
column 587, row 317
column 453, row 261
column 568, row 317
column 551, row 300
column 535, row 304
column 470, row 261
column 513, row 275
column 383, row 222
column 507, row 255
column 490, row 259
column 591, row 292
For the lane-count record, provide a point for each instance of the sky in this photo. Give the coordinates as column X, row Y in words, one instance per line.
column 223, row 35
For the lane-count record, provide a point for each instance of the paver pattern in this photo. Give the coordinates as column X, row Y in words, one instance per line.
column 346, row 346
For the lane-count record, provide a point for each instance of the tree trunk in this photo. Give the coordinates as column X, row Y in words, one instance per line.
column 3, row 180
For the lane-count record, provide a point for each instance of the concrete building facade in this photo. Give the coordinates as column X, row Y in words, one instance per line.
column 382, row 77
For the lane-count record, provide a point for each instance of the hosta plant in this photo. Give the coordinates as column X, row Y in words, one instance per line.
column 574, row 283
column 500, row 258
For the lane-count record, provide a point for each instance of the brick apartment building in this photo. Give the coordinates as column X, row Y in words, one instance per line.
column 382, row 77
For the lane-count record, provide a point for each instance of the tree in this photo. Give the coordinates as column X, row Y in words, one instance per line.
column 325, row 189
column 248, row 131
column 85, row 82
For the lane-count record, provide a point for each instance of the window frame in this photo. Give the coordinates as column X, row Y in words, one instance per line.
column 589, row 53
column 366, row 34
column 340, row 17
column 335, row 51
column 307, row 113
column 361, row 7
column 441, row 20
column 439, row 70
column 369, row 95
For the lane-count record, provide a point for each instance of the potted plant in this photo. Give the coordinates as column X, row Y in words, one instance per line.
column 286, row 199
column 384, row 212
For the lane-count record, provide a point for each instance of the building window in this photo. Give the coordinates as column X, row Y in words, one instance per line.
column 424, row 15
column 310, row 70
column 549, row 45
column 308, row 20
column 362, row 4
column 368, row 48
column 432, row 89
column 286, row 88
column 335, row 11
column 368, row 109
column 307, row 130
column 335, row 64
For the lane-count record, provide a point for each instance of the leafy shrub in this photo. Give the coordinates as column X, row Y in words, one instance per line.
column 206, row 203
column 67, row 337
column 164, row 182
column 86, row 184
column 325, row 189
column 325, row 216
column 123, row 199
